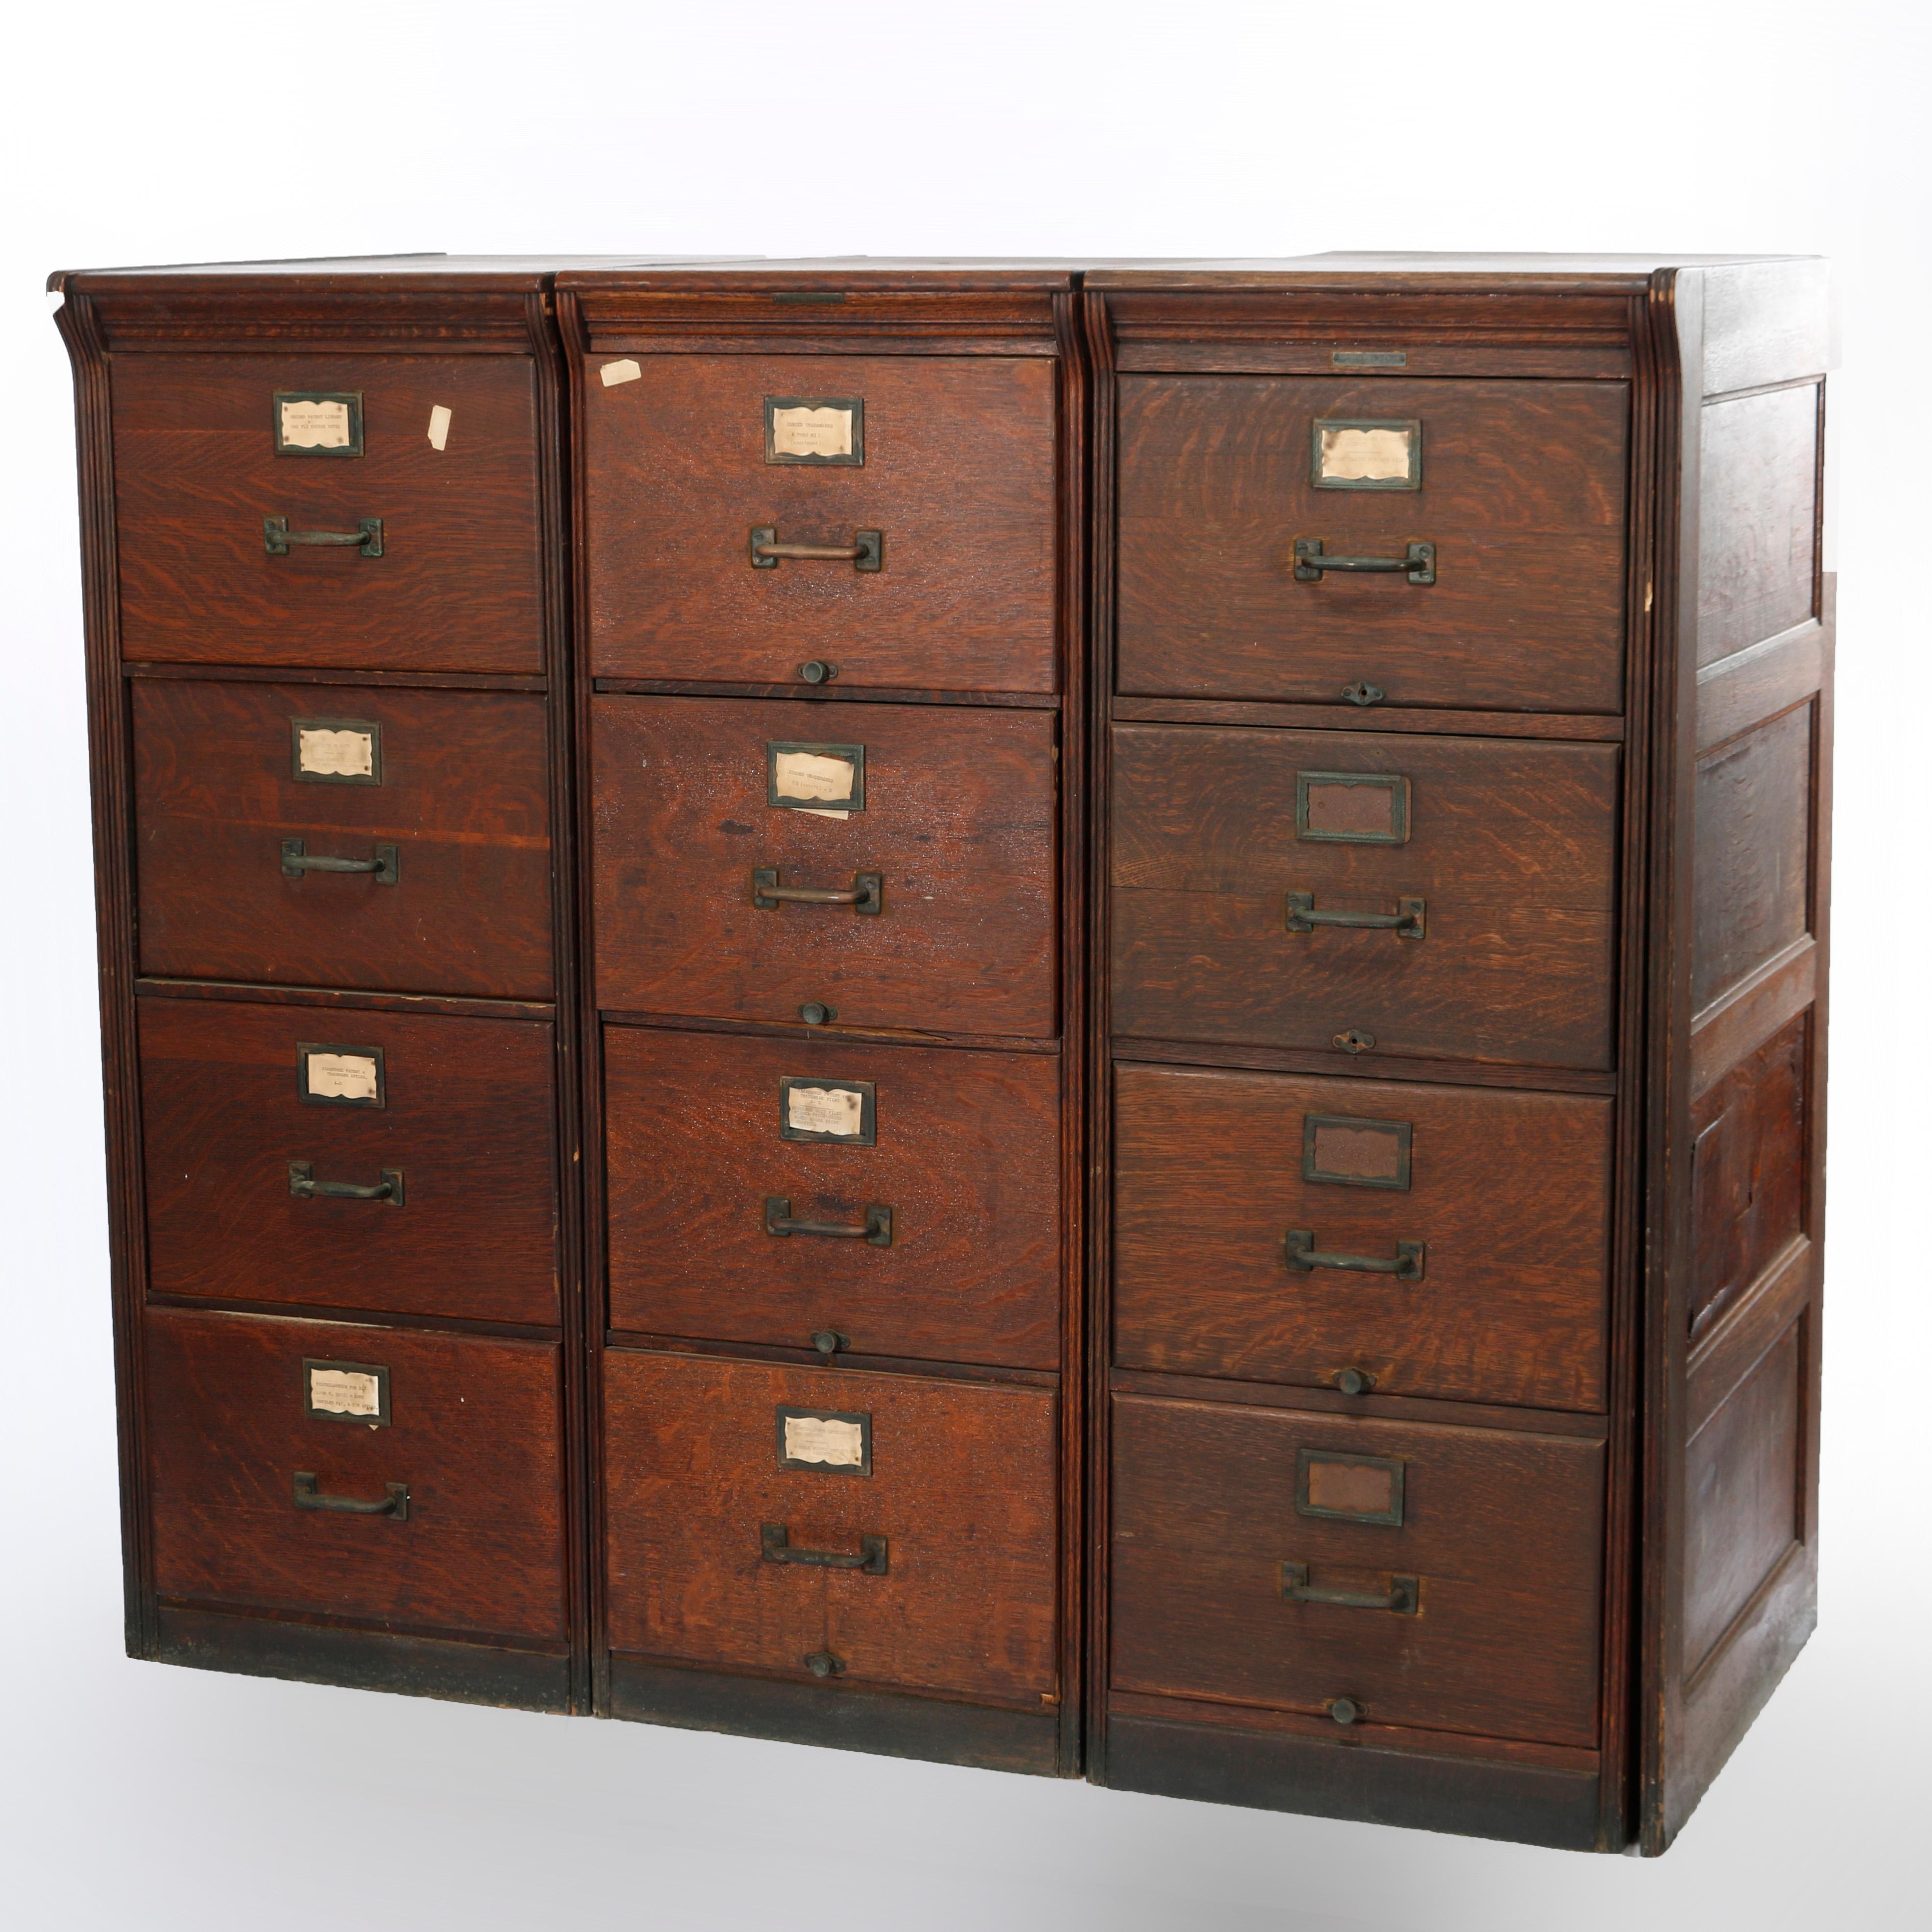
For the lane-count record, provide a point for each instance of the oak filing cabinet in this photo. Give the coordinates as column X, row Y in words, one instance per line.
column 1064, row 1016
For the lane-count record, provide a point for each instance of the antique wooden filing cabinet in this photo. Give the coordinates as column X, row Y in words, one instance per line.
column 1068, row 1017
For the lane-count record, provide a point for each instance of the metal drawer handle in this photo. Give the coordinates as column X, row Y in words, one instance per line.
column 1410, row 920
column 1417, row 562
column 868, row 894
column 1298, row 1247
column 1404, row 1597
column 385, row 868
column 304, row 1186
column 866, row 551
column 775, row 1546
column 875, row 1232
column 395, row 1505
column 366, row 537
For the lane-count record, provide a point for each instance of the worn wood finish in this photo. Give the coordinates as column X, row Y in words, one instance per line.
column 966, row 1153
column 1509, row 1192
column 1501, row 1529
column 1521, row 492
column 959, row 818
column 468, row 1116
column 473, row 1435
column 1512, row 847
column 958, row 474
column 464, row 798
column 963, row 1487
column 196, row 470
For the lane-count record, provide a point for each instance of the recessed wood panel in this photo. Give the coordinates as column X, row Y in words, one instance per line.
column 957, row 477
column 473, row 1438
column 467, row 1120
column 965, row 1154
column 1522, row 488
column 1757, row 519
column 1753, row 857
column 1743, row 1500
column 1509, row 1193
column 459, row 584
column 962, row 1492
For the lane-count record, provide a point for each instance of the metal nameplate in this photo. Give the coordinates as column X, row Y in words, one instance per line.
column 1351, row 808
column 335, row 750
column 1367, row 453
column 827, row 780
column 826, row 431
column 317, row 422
column 328, row 1075
column 1369, row 359
column 829, row 1441
column 346, row 1392
column 1345, row 1151
column 1349, row 1489
column 843, row 1112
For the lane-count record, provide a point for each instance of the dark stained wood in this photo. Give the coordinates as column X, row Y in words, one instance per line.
column 1501, row 1528
column 1737, row 691
column 1522, row 494
column 1758, row 566
column 474, row 1436
column 963, row 1487
column 958, row 474
column 1511, row 847
column 1510, row 1192
column 1356, row 718
column 1753, row 853
column 959, row 817
column 464, row 795
column 966, row 1156
column 469, row 1117
column 196, row 470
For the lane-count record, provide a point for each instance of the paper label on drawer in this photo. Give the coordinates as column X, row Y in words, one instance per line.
column 806, row 775
column 624, row 371
column 1360, row 454
column 830, row 1440
column 439, row 427
column 805, row 432
column 318, row 423
column 341, row 754
column 346, row 1392
column 342, row 1076
column 826, row 1110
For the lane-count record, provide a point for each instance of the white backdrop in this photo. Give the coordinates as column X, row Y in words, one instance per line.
column 131, row 1794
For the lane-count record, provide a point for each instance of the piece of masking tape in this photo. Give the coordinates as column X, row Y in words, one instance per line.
column 439, row 427
column 625, row 371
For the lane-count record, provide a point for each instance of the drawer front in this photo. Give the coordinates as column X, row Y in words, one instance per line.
column 1476, row 1224
column 951, row 813
column 454, row 783
column 1503, row 854
column 198, row 472
column 952, row 1514
column 1220, row 1570
column 251, row 1116
column 950, row 461
column 256, row 1441
column 952, row 1159
column 1518, row 487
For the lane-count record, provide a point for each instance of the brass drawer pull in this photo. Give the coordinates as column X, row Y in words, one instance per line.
column 868, row 894
column 366, row 539
column 1298, row 1247
column 1404, row 1596
column 876, row 1231
column 1408, row 921
column 304, row 1186
column 1417, row 562
column 775, row 1546
column 395, row 1505
column 385, row 868
column 866, row 551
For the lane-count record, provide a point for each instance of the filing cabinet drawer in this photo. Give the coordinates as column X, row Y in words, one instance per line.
column 716, row 1145
column 440, row 797
column 1468, row 1230
column 884, row 1529
column 948, row 462
column 1472, row 1557
column 409, row 1480
column 449, row 578
column 1447, row 898
column 945, row 852
column 1516, row 489
column 398, row 1162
